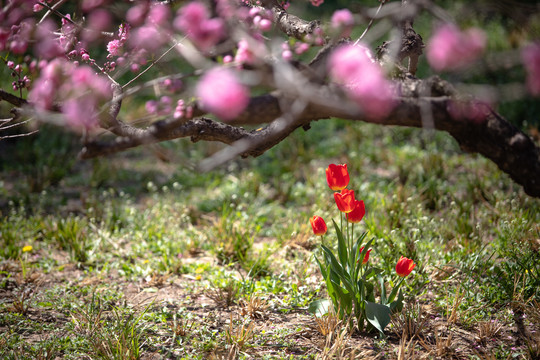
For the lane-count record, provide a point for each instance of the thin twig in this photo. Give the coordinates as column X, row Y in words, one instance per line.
column 53, row 10
column 19, row 135
column 151, row 65
column 4, row 127
column 370, row 22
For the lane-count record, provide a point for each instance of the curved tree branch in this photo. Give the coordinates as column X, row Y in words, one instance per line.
column 290, row 24
column 494, row 137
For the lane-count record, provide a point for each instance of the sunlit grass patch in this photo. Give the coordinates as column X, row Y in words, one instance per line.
column 177, row 253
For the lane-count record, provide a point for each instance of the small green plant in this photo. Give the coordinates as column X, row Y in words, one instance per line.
column 71, row 235
column 350, row 281
column 239, row 336
column 23, row 259
column 233, row 240
column 122, row 340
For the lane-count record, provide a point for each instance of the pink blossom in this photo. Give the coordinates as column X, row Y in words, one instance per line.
column 180, row 109
column 194, row 21
column 81, row 112
column 46, row 86
column 222, row 94
column 287, row 55
column 114, row 47
column 42, row 93
column 317, row 2
column 531, row 60
column 4, row 35
column 189, row 15
column 363, row 79
column 301, row 47
column 451, row 49
column 98, row 20
column 147, row 37
column 18, row 42
column 244, row 55
column 173, row 85
column 162, row 107
column 47, row 45
column 249, row 51
column 265, row 25
column 343, row 21
column 123, row 32
column 159, row 14
column 88, row 5
column 136, row 14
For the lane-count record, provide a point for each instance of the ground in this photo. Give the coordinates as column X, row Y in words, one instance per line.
column 137, row 258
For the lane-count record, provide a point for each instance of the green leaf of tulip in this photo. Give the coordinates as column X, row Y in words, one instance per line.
column 378, row 315
column 319, row 307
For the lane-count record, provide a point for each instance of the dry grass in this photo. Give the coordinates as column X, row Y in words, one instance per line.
column 406, row 349
column 181, row 327
column 411, row 322
column 255, row 307
column 224, row 296
column 21, row 302
column 238, row 336
column 453, row 309
column 441, row 348
column 487, row 330
column 327, row 323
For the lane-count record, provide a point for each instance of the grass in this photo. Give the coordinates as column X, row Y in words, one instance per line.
column 154, row 259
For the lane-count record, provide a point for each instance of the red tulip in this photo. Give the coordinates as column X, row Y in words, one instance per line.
column 318, row 225
column 337, row 176
column 366, row 258
column 358, row 212
column 404, row 266
column 345, row 200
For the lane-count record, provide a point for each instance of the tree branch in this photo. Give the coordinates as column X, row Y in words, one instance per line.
column 12, row 99
column 495, row 138
column 290, row 24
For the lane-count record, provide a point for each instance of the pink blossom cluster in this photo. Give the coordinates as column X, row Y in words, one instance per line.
column 317, row 2
column 182, row 111
column 451, row 49
column 116, row 47
column 150, row 23
column 316, row 39
column 97, row 21
column 286, row 52
column 16, row 38
column 531, row 60
column 261, row 19
column 78, row 90
column 300, row 47
column 249, row 51
column 342, row 21
column 16, row 25
column 172, row 85
column 222, row 94
column 22, row 81
column 162, row 107
column 194, row 20
column 363, row 79
column 47, row 45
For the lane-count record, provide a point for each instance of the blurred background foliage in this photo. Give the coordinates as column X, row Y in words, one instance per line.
column 43, row 160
